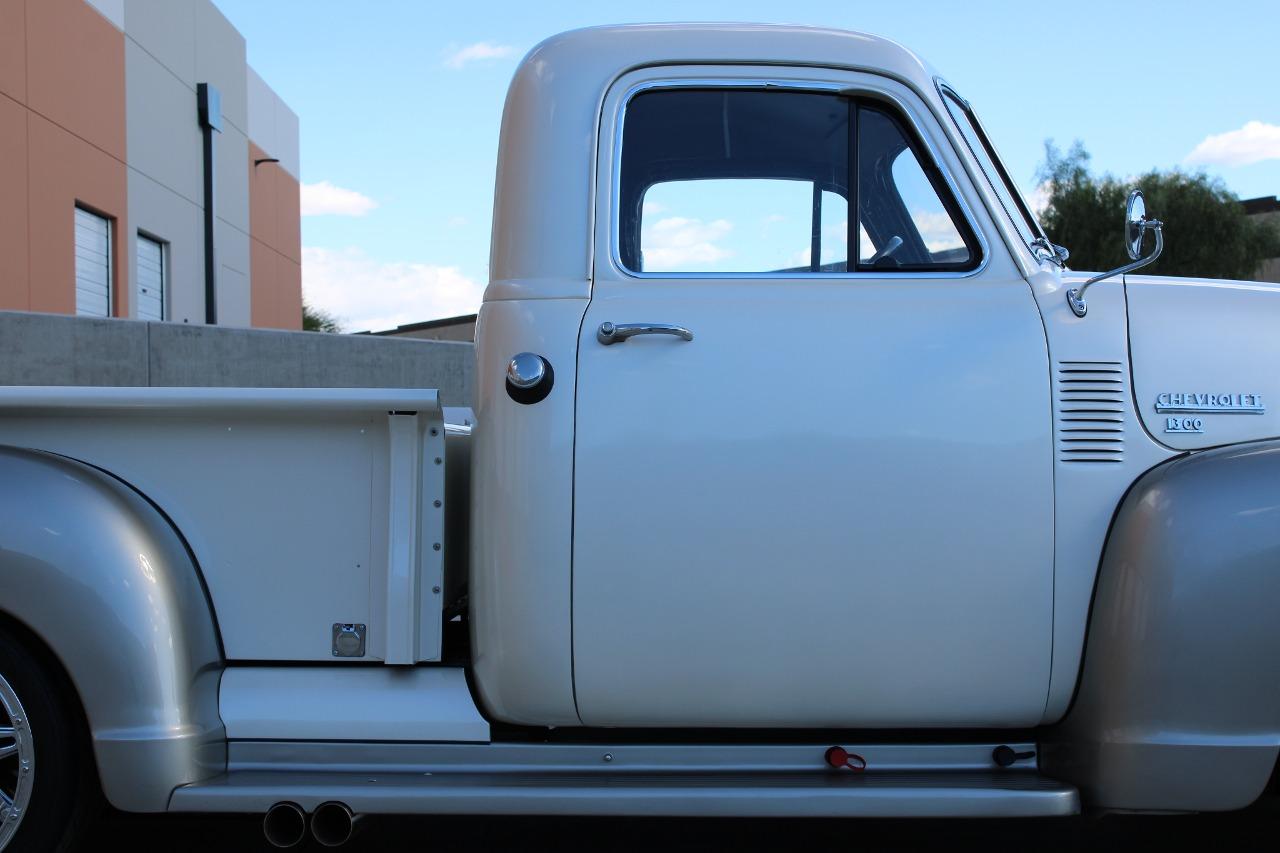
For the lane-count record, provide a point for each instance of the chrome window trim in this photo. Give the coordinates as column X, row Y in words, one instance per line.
column 826, row 87
column 945, row 91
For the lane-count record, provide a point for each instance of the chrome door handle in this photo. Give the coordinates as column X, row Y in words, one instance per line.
column 616, row 333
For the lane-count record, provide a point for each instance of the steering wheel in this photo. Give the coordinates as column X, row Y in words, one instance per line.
column 894, row 244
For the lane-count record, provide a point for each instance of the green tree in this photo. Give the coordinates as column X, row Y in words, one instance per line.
column 317, row 320
column 1206, row 231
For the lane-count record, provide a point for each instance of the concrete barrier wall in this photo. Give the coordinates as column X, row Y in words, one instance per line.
column 51, row 349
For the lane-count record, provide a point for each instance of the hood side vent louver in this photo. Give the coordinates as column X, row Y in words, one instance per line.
column 1092, row 409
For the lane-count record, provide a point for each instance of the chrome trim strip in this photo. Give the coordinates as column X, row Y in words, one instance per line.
column 907, row 113
column 945, row 91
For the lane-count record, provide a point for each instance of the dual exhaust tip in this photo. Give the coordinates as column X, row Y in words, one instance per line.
column 332, row 824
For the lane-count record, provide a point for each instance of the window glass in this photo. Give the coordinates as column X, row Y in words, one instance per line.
column 941, row 237
column 747, row 225
column 756, row 181
column 1015, row 207
column 905, row 224
column 833, row 219
column 734, row 181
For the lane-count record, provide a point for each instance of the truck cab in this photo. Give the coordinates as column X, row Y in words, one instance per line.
column 858, row 356
column 826, row 440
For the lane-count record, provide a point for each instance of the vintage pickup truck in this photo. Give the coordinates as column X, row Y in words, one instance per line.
column 802, row 478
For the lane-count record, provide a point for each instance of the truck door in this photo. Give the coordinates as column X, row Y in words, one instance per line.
column 813, row 482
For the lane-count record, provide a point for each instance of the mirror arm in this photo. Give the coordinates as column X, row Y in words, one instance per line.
column 1075, row 296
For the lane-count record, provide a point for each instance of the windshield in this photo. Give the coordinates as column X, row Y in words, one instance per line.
column 1015, row 207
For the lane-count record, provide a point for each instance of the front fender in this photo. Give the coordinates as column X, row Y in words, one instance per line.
column 100, row 575
column 1178, row 706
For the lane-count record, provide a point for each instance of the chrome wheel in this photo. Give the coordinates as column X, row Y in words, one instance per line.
column 17, row 762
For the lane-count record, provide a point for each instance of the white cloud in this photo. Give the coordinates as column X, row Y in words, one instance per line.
column 365, row 294
column 937, row 230
column 481, row 50
column 835, row 245
column 678, row 243
column 324, row 198
column 1253, row 143
column 1039, row 198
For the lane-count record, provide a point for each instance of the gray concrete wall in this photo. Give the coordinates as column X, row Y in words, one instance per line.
column 51, row 349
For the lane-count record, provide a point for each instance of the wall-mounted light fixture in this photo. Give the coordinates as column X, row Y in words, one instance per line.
column 261, row 160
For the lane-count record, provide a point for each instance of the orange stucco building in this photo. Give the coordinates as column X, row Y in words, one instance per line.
column 110, row 199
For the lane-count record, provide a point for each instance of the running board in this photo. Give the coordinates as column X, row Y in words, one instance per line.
column 780, row 780
column 1015, row 793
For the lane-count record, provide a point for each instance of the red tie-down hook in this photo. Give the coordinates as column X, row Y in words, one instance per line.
column 842, row 759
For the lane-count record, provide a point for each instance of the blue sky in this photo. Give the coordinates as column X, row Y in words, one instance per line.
column 400, row 101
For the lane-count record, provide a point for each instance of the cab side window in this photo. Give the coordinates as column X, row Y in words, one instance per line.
column 730, row 181
column 762, row 181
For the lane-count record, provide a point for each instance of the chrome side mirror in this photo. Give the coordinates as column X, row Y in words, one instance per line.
column 1136, row 226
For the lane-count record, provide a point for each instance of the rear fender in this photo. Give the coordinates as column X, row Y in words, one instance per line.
column 103, row 579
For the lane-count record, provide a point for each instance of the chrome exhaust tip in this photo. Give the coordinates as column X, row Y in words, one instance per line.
column 332, row 824
column 285, row 825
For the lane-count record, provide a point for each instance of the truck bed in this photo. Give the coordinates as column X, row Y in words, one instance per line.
column 304, row 508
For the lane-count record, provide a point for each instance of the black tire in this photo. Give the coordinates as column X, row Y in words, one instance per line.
column 65, row 797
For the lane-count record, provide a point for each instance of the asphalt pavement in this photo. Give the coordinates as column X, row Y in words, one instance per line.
column 1257, row 828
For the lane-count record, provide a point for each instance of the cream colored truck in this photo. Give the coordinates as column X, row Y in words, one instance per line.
column 897, row 517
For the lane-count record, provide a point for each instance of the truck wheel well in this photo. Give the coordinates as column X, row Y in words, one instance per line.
column 57, row 674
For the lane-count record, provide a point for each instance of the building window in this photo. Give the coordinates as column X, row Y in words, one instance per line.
column 152, row 275
column 93, row 264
